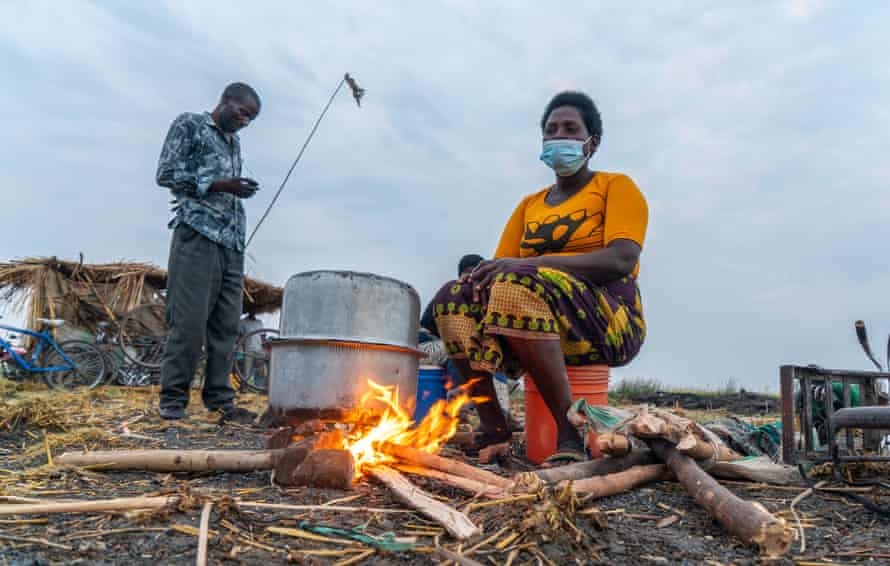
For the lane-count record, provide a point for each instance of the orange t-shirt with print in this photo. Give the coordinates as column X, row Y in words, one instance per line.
column 608, row 208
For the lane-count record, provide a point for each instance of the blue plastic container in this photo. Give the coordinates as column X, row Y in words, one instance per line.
column 430, row 388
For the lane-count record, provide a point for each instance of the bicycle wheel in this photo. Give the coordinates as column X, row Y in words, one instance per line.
column 88, row 361
column 131, row 375
column 252, row 360
column 143, row 335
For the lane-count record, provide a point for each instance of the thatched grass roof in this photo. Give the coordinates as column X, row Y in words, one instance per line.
column 84, row 294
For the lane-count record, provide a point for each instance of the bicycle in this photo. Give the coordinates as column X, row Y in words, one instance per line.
column 120, row 369
column 252, row 360
column 142, row 335
column 63, row 366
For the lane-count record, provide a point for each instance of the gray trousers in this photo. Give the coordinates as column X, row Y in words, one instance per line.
column 203, row 308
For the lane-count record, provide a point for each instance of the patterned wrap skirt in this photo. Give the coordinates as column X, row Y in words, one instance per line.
column 595, row 324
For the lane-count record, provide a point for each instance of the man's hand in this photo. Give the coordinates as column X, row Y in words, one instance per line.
column 241, row 187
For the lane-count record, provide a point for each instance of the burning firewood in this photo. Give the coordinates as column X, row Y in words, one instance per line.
column 280, row 438
column 455, row 522
column 325, row 468
column 460, row 482
column 290, row 459
column 455, row 467
column 495, row 453
column 747, row 520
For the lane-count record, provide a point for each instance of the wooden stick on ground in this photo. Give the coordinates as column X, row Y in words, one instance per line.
column 40, row 541
column 203, row 534
column 457, row 558
column 619, row 482
column 454, row 467
column 460, row 482
column 455, row 522
column 800, row 497
column 119, row 504
column 598, row 467
column 19, row 499
column 323, row 507
column 174, row 460
column 749, row 521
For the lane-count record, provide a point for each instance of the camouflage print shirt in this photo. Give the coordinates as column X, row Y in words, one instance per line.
column 195, row 154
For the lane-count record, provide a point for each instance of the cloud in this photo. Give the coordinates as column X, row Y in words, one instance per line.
column 805, row 9
column 756, row 132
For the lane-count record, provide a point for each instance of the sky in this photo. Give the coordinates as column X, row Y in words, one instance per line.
column 757, row 131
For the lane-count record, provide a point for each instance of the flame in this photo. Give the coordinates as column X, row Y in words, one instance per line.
column 397, row 427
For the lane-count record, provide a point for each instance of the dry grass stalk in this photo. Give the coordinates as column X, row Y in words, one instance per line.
column 202, row 534
column 119, row 504
column 40, row 541
column 84, row 294
column 336, row 508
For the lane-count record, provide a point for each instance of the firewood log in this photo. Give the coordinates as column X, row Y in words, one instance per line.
column 619, row 482
column 420, row 458
column 647, row 425
column 325, row 468
column 690, row 437
column 598, row 467
column 700, row 449
column 456, row 523
column 614, row 444
column 289, row 460
column 280, row 438
column 471, row 486
column 747, row 520
column 174, row 460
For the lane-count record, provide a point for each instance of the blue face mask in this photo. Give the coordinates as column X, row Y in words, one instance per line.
column 565, row 157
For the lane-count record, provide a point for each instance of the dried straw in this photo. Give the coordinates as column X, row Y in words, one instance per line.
column 85, row 294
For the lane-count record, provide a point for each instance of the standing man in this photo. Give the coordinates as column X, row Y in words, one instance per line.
column 201, row 165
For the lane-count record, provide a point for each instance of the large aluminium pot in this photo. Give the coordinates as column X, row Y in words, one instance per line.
column 338, row 329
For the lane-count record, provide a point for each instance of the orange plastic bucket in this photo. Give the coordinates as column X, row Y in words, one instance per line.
column 589, row 382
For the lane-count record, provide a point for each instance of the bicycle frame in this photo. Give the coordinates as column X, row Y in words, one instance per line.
column 43, row 339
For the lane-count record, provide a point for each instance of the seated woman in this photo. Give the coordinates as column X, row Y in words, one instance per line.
column 562, row 289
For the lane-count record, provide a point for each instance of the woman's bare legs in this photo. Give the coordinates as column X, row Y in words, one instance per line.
column 481, row 385
column 544, row 362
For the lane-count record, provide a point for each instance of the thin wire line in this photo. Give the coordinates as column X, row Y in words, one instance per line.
column 294, row 164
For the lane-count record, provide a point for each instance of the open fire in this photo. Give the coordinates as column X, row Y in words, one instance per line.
column 394, row 427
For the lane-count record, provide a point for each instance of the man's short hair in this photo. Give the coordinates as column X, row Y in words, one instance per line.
column 469, row 261
column 242, row 91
